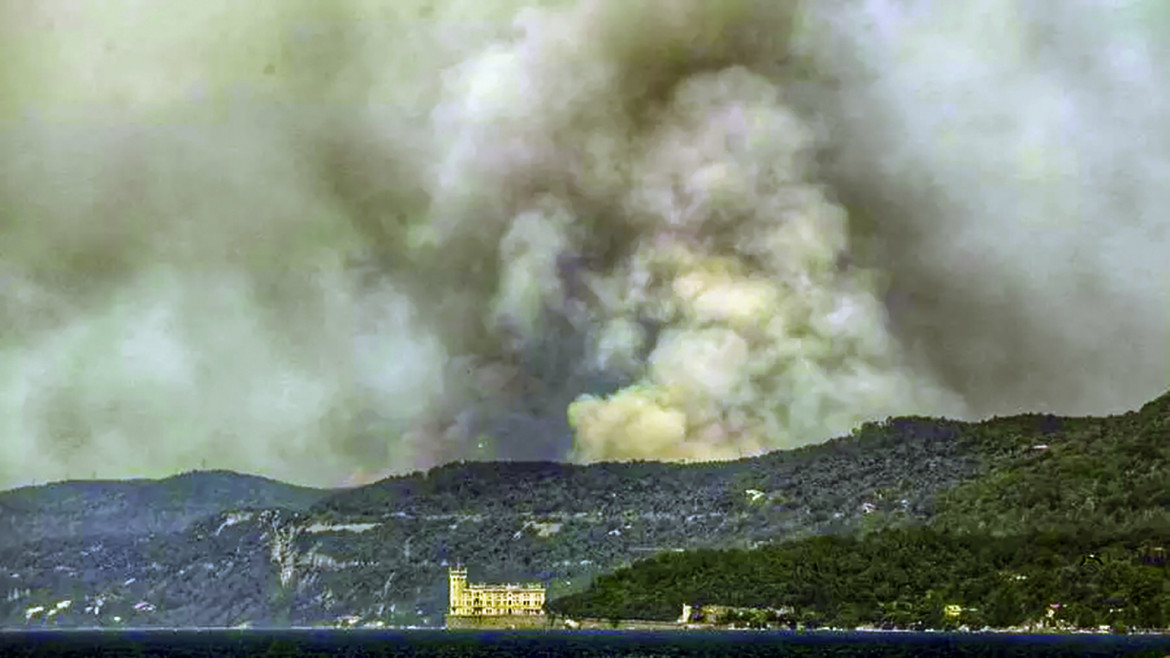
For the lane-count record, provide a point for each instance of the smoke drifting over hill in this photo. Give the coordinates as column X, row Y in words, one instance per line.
column 315, row 240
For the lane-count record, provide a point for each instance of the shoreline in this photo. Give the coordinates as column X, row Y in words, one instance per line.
column 636, row 626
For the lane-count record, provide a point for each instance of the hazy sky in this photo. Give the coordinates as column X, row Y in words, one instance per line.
column 329, row 241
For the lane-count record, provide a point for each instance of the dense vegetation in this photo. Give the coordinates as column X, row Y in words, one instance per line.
column 1102, row 476
column 903, row 578
column 912, row 460
column 1005, row 545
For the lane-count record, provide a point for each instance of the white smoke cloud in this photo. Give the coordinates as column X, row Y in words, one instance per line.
column 1007, row 157
column 330, row 241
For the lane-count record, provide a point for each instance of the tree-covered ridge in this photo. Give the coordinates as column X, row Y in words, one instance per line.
column 905, row 461
column 81, row 508
column 904, row 578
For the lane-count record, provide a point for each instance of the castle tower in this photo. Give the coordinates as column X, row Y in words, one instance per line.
column 478, row 604
column 457, row 584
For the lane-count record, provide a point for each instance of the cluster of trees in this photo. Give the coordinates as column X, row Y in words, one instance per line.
column 904, row 578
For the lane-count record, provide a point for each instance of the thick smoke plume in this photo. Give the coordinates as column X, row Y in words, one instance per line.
column 328, row 241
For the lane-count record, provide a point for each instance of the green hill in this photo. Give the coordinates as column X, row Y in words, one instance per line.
column 223, row 549
column 903, row 578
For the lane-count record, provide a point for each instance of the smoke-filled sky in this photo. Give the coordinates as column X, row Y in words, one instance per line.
column 327, row 241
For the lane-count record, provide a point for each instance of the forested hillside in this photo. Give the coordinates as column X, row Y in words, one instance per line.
column 378, row 554
column 903, row 578
column 1097, row 475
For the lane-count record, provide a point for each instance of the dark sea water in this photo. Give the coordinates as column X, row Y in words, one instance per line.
column 565, row 643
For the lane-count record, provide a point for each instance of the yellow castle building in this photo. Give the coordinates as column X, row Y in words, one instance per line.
column 492, row 600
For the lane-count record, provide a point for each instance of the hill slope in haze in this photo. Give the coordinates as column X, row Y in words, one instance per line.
column 81, row 508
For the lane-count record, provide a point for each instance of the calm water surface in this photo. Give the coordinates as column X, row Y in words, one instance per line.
column 565, row 643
